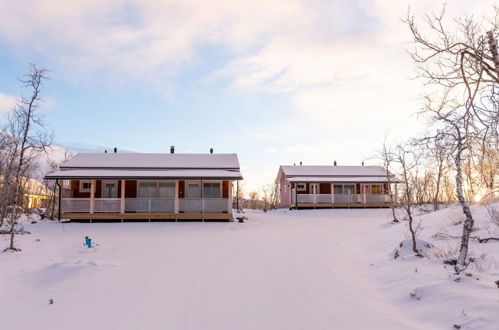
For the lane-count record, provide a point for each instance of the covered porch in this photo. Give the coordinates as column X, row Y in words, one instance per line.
column 343, row 194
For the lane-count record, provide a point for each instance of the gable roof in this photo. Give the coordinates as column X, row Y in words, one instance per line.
column 321, row 173
column 152, row 161
column 320, row 170
column 149, row 166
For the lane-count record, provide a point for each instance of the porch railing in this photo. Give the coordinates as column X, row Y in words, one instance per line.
column 146, row 205
column 203, row 205
column 76, row 205
column 342, row 198
column 107, row 205
column 150, row 205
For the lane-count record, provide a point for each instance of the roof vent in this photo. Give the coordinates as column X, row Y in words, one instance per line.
column 211, row 150
column 172, row 149
column 105, row 151
column 335, row 163
column 115, row 150
column 300, row 163
column 362, row 163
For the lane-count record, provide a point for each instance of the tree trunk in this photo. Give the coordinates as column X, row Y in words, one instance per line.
column 468, row 223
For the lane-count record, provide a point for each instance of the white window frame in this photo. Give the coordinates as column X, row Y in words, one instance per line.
column 304, row 188
column 219, row 183
column 156, row 189
column 85, row 190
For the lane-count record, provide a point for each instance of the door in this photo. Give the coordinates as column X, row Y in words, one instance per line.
column 314, row 188
column 109, row 189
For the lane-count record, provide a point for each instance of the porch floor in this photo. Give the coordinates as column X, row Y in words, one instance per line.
column 342, row 205
column 153, row 216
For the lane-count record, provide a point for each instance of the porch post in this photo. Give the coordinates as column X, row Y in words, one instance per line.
column 395, row 198
column 122, row 202
column 229, row 202
column 332, row 193
column 92, row 195
column 237, row 195
column 365, row 197
column 175, row 201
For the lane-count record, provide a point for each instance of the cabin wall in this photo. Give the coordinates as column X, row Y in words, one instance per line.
column 285, row 192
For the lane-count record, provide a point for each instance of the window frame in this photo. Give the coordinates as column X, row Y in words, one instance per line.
column 304, row 188
column 212, row 182
column 85, row 190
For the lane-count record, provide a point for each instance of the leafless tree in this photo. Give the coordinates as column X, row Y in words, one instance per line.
column 408, row 161
column 388, row 157
column 28, row 138
column 456, row 60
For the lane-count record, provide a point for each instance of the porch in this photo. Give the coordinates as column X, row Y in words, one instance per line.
column 342, row 200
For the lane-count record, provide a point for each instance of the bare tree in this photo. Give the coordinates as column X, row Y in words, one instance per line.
column 462, row 64
column 408, row 161
column 388, row 157
column 28, row 139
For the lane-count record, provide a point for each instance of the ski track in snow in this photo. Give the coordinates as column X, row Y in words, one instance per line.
column 280, row 270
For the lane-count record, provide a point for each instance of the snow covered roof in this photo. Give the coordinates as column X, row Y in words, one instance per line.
column 356, row 179
column 315, row 170
column 320, row 173
column 152, row 161
column 145, row 165
column 146, row 174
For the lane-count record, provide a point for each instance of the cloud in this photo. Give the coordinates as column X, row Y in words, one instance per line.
column 7, row 102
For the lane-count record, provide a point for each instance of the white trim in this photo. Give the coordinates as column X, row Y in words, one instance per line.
column 301, row 189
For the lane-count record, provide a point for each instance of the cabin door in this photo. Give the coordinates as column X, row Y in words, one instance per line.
column 314, row 188
column 109, row 189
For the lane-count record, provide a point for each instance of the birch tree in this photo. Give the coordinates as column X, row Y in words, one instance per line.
column 28, row 139
column 459, row 60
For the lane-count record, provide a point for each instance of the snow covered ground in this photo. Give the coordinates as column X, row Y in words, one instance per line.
column 307, row 269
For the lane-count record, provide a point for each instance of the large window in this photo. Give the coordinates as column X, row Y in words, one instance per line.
column 344, row 189
column 212, row 190
column 156, row 189
column 301, row 186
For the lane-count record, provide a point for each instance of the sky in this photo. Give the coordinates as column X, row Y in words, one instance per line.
column 277, row 82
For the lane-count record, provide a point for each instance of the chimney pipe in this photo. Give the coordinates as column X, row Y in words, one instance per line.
column 172, row 149
column 300, row 163
column 362, row 163
column 211, row 150
column 335, row 163
column 115, row 150
column 105, row 151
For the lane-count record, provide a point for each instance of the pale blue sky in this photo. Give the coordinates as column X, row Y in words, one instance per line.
column 277, row 82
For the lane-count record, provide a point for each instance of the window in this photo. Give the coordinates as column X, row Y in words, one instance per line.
column 346, row 189
column 301, row 186
column 376, row 189
column 193, row 190
column 156, row 189
column 166, row 189
column 85, row 186
column 349, row 189
column 212, row 190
